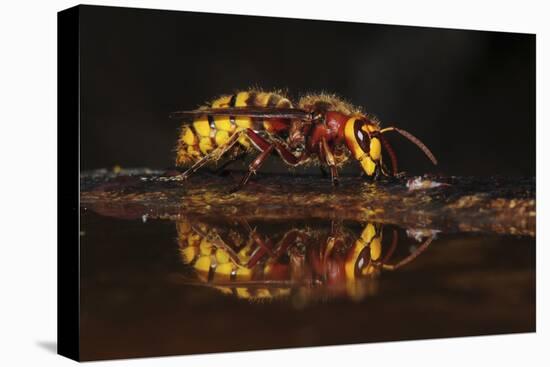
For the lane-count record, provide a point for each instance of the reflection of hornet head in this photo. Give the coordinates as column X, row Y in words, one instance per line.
column 239, row 260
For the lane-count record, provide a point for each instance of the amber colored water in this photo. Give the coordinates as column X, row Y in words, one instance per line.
column 139, row 298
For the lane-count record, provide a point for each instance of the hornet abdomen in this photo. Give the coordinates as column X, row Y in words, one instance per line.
column 205, row 133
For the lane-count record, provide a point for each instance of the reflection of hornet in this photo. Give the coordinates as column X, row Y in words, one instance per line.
column 239, row 260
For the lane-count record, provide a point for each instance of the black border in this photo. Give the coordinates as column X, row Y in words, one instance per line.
column 68, row 183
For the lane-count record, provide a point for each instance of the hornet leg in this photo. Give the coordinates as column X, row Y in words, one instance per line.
column 213, row 155
column 254, row 166
column 261, row 144
column 411, row 257
column 266, row 147
column 329, row 160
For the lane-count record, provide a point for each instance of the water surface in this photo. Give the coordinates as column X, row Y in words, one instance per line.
column 183, row 269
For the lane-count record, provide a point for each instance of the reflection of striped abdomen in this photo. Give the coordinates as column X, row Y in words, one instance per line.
column 208, row 132
column 214, row 265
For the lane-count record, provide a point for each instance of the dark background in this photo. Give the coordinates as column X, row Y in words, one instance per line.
column 469, row 95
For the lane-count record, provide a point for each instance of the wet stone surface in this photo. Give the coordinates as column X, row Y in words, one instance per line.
column 450, row 204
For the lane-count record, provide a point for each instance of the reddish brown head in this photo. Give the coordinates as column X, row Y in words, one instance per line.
column 341, row 124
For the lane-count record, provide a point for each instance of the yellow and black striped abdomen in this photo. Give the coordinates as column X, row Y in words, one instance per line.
column 206, row 133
